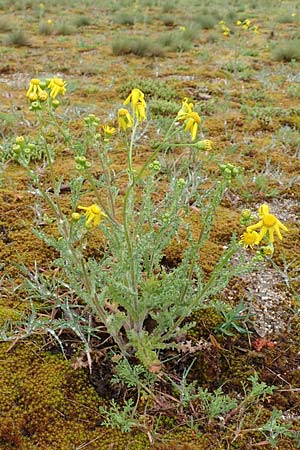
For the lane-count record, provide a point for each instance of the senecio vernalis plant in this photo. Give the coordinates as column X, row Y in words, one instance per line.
column 140, row 305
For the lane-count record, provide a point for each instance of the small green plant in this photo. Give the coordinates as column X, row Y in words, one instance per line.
column 82, row 21
column 234, row 318
column 168, row 20
column 275, row 428
column 168, row 6
column 136, row 46
column 206, row 22
column 120, row 417
column 287, row 51
column 124, row 19
column 18, row 39
column 216, row 404
column 46, row 28
column 64, row 29
column 5, row 24
column 175, row 41
column 286, row 18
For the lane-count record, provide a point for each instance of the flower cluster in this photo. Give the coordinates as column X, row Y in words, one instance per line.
column 191, row 118
column 268, row 225
column 25, row 151
column 138, row 106
column 247, row 25
column 225, row 30
column 40, row 91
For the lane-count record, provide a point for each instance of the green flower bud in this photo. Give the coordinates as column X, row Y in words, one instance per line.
column 55, row 103
column 181, row 183
column 16, row 149
column 76, row 216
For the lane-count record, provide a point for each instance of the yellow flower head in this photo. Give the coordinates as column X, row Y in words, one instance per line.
column 57, row 86
column 108, row 131
column 186, row 108
column 249, row 239
column 138, row 104
column 124, row 119
column 192, row 120
column 267, row 225
column 140, row 111
column 42, row 96
column 34, row 89
column 93, row 214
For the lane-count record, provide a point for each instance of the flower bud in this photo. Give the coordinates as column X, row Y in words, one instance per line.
column 181, row 183
column 55, row 103
column 76, row 216
column 20, row 140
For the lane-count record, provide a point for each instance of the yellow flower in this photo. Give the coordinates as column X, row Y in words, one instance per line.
column 186, row 108
column 42, row 96
column 239, row 22
column 192, row 120
column 34, row 89
column 249, row 238
column 49, row 22
column 140, row 111
column 124, row 119
column 108, row 131
column 57, row 86
column 138, row 104
column 93, row 214
column 267, row 225
column 182, row 29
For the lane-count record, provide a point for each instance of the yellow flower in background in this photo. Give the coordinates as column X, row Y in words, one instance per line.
column 49, row 22
column 57, row 86
column 249, row 239
column 268, row 225
column 108, row 131
column 34, row 89
column 182, row 29
column 124, row 119
column 192, row 120
column 138, row 104
column 93, row 213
